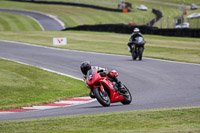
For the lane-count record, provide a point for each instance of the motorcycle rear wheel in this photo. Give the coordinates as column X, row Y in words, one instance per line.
column 102, row 97
column 127, row 96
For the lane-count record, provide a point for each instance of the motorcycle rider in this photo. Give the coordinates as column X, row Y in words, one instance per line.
column 136, row 33
column 85, row 67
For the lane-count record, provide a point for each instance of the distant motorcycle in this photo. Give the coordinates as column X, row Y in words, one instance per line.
column 104, row 90
column 138, row 48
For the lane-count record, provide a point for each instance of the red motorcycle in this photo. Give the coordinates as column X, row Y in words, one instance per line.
column 106, row 91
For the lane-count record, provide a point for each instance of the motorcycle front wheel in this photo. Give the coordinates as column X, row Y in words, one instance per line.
column 134, row 55
column 140, row 52
column 102, row 97
column 127, row 95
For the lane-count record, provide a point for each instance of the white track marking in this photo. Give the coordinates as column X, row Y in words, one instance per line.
column 6, row 112
column 41, row 107
column 36, row 22
column 44, row 69
column 71, row 102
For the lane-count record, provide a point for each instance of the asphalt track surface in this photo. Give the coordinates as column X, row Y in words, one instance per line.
column 45, row 21
column 153, row 83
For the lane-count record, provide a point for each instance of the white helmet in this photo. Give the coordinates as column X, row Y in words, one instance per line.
column 136, row 30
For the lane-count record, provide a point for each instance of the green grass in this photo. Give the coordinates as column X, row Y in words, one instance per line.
column 185, row 2
column 195, row 23
column 170, row 48
column 23, row 85
column 103, row 3
column 74, row 16
column 16, row 22
column 183, row 120
column 40, row 86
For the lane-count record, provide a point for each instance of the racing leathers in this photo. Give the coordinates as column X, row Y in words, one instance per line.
column 132, row 40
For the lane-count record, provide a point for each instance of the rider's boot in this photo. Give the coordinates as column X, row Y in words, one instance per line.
column 119, row 84
column 120, row 87
column 131, row 50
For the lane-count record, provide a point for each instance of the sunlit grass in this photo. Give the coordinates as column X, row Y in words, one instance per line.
column 186, row 2
column 23, row 85
column 182, row 120
column 73, row 16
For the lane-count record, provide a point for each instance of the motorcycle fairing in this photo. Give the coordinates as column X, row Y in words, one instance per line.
column 114, row 95
column 96, row 81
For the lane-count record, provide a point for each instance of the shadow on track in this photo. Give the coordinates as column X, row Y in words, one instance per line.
column 111, row 106
column 70, row 4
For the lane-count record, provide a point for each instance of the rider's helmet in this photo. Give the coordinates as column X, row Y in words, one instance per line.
column 136, row 30
column 85, row 66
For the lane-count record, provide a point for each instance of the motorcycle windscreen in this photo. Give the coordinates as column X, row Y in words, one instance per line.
column 90, row 73
column 140, row 40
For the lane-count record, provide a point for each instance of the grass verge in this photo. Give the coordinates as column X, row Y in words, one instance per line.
column 76, row 15
column 170, row 48
column 16, row 22
column 185, row 2
column 23, row 85
column 182, row 120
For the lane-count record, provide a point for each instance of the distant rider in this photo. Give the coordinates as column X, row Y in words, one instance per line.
column 85, row 67
column 136, row 33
